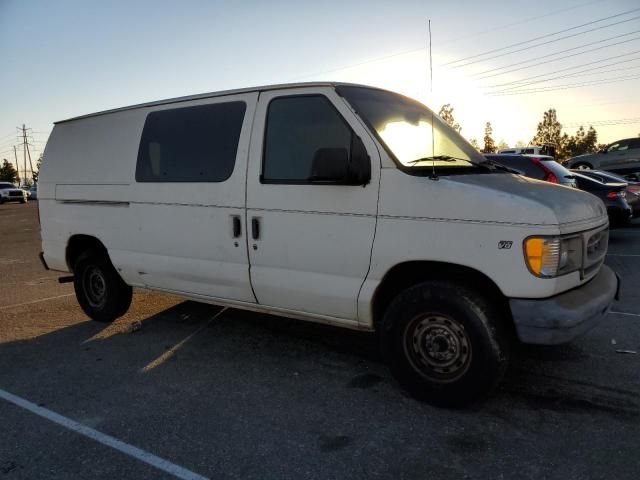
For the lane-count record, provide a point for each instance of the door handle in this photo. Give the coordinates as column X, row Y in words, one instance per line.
column 237, row 226
column 255, row 228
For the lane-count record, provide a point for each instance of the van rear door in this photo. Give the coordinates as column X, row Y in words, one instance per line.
column 310, row 233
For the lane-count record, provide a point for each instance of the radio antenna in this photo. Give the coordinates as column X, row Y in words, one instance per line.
column 430, row 62
column 433, row 160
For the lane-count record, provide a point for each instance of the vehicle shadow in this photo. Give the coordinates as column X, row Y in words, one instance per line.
column 190, row 380
column 184, row 343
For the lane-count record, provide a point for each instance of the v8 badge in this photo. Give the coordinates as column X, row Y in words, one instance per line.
column 504, row 244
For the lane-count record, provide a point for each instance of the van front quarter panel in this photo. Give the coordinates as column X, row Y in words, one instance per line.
column 449, row 221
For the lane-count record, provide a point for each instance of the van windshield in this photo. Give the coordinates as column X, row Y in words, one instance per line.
column 411, row 133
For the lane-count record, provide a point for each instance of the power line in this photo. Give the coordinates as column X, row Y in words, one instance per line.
column 557, row 53
column 565, row 87
column 2, row 138
column 544, row 36
column 546, row 43
column 520, row 83
column 571, row 75
column 515, row 24
column 602, row 123
column 364, row 62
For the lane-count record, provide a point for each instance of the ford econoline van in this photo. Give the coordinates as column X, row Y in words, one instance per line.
column 334, row 203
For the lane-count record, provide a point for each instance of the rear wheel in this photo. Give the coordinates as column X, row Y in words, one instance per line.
column 583, row 166
column 445, row 343
column 100, row 290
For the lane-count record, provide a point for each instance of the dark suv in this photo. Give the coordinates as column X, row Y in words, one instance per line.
column 541, row 167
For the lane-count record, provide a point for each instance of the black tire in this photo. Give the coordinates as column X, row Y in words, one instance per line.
column 1, row 200
column 582, row 166
column 23, row 200
column 445, row 343
column 100, row 290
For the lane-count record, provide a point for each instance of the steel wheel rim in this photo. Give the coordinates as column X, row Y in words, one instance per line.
column 95, row 286
column 438, row 347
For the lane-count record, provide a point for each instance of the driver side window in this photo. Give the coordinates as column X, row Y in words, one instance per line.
column 301, row 132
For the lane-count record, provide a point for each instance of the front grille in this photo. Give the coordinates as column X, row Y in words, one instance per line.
column 595, row 249
column 15, row 194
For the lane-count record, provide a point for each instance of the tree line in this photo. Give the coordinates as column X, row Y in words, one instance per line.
column 549, row 131
column 8, row 173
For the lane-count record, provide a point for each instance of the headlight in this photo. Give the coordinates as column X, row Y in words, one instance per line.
column 553, row 256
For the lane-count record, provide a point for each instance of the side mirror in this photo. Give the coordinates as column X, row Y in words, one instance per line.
column 333, row 165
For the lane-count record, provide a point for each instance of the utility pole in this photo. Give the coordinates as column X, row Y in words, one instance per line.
column 25, row 153
column 15, row 155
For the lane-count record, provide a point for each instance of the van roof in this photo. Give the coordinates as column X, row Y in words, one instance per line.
column 214, row 94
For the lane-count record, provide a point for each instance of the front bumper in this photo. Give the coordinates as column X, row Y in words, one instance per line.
column 560, row 319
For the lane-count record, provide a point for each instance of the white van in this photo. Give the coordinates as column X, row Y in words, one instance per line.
column 530, row 150
column 334, row 203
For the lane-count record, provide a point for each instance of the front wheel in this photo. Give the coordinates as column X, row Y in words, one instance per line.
column 445, row 343
column 100, row 290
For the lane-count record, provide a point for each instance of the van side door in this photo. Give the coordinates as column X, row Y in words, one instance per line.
column 189, row 208
column 311, row 226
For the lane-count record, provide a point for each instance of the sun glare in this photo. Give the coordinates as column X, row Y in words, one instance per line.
column 408, row 142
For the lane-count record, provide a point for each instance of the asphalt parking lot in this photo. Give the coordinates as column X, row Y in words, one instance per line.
column 240, row 395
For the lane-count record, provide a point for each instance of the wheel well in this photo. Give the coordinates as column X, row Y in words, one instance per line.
column 79, row 244
column 405, row 275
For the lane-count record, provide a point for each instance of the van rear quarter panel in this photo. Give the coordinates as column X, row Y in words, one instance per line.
column 92, row 159
column 165, row 234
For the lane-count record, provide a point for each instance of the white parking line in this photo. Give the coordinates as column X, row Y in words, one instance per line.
column 36, row 301
column 107, row 440
column 622, row 255
column 626, row 313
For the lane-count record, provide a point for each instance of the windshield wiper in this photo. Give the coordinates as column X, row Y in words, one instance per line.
column 499, row 166
column 441, row 158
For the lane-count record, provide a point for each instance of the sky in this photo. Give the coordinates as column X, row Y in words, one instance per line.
column 66, row 58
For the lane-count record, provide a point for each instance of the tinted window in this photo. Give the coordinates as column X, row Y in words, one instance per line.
column 192, row 144
column 7, row 185
column 522, row 164
column 298, row 129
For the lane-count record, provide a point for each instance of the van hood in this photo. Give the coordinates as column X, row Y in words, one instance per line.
column 499, row 198
column 534, row 201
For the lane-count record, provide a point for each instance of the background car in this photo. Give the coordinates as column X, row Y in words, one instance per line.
column 622, row 156
column 33, row 192
column 547, row 150
column 10, row 193
column 613, row 195
column 633, row 187
column 536, row 166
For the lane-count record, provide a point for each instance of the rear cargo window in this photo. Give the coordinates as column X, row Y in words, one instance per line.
column 191, row 144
